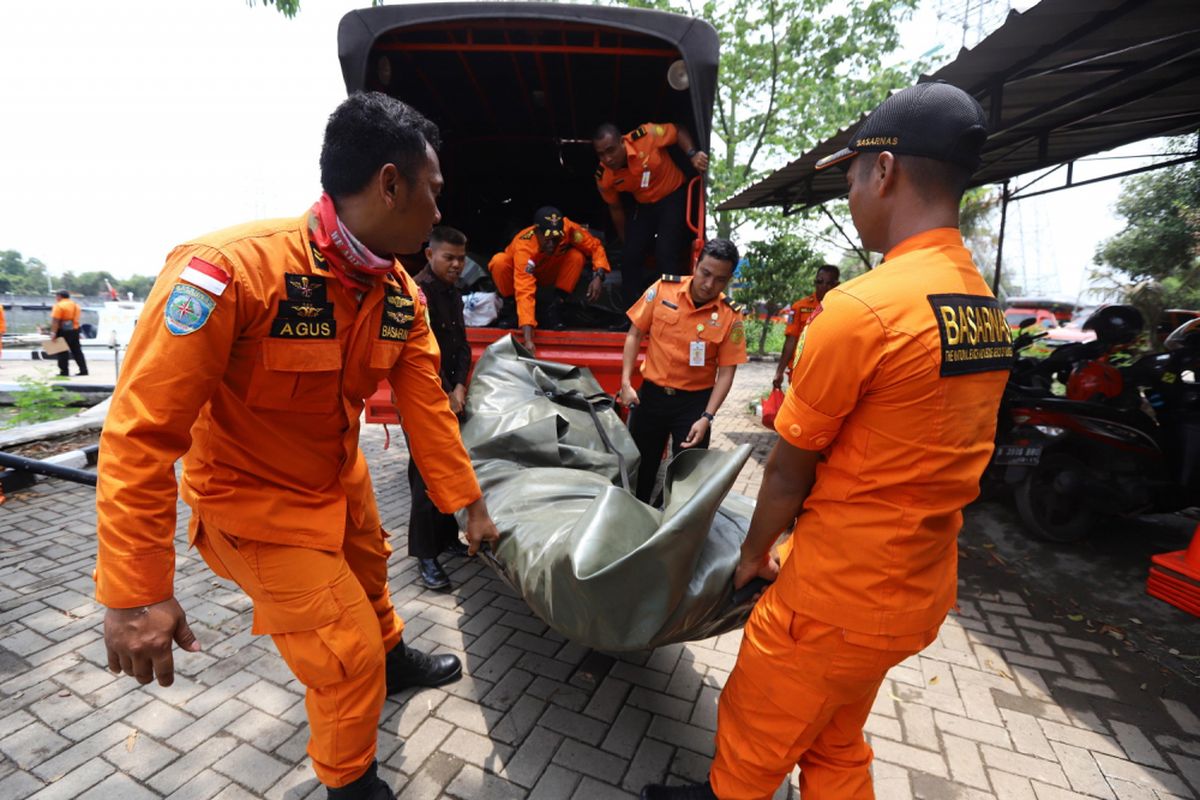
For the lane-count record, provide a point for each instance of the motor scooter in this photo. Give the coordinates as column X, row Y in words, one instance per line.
column 1070, row 461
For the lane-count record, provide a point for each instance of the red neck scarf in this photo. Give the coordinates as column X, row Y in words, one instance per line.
column 356, row 267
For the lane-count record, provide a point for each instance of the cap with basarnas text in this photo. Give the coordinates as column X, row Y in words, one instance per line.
column 933, row 120
column 549, row 221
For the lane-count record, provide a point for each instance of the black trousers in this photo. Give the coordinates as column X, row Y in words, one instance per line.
column 429, row 530
column 75, row 350
column 660, row 227
column 660, row 416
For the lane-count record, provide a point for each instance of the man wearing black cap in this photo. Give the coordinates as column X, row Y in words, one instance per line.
column 886, row 428
column 550, row 252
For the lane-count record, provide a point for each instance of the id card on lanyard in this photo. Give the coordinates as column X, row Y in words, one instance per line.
column 696, row 354
column 645, row 179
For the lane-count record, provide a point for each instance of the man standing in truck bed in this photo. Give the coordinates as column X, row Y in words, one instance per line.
column 252, row 360
column 640, row 164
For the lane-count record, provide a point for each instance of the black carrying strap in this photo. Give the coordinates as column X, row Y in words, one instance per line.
column 573, row 398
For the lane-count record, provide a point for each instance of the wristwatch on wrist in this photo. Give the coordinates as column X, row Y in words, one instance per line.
column 598, row 275
column 692, row 153
column 708, row 416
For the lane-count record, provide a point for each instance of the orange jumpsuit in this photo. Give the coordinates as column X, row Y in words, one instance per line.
column 251, row 362
column 522, row 266
column 899, row 384
column 799, row 314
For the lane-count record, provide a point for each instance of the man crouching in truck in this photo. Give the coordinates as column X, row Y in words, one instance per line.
column 261, row 344
column 550, row 252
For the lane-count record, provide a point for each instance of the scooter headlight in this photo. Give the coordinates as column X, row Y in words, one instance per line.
column 1051, row 431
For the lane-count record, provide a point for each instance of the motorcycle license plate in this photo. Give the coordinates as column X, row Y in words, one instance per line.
column 1015, row 454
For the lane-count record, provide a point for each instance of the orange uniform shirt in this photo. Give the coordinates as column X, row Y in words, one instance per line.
column 899, row 383
column 66, row 311
column 800, row 314
column 259, row 387
column 667, row 315
column 524, row 251
column 650, row 173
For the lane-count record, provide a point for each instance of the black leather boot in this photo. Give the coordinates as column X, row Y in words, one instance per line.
column 432, row 574
column 692, row 791
column 367, row 786
column 407, row 667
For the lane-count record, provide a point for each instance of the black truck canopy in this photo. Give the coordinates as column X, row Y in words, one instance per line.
column 1063, row 80
column 517, row 90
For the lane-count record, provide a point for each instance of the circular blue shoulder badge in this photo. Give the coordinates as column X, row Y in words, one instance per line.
column 650, row 295
column 188, row 309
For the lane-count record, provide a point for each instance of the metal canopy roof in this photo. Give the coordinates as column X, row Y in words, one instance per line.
column 1060, row 81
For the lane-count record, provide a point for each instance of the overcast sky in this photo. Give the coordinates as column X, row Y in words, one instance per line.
column 133, row 125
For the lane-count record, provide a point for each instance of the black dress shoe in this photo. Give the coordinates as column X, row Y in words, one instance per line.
column 692, row 791
column 456, row 548
column 432, row 574
column 368, row 786
column 407, row 667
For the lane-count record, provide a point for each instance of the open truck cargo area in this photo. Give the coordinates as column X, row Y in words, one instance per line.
column 517, row 90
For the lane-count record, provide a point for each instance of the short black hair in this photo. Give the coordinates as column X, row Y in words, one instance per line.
column 63, row 293
column 935, row 179
column 832, row 270
column 368, row 130
column 444, row 234
column 722, row 250
column 606, row 129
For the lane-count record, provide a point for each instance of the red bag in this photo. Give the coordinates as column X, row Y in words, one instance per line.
column 770, row 407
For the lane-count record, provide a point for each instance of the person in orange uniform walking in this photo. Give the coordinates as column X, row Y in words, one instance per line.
column 3, row 328
column 799, row 314
column 550, row 252
column 64, row 322
column 884, row 434
column 639, row 163
column 696, row 342
column 251, row 362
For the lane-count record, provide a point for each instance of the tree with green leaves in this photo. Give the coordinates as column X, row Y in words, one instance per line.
column 1154, row 262
column 774, row 275
column 21, row 276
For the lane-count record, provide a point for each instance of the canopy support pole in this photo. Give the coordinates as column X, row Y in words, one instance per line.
column 1004, row 197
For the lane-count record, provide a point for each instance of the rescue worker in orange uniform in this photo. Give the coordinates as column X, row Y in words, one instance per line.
column 3, row 328
column 64, row 323
column 640, row 164
column 697, row 340
column 550, row 252
column 251, row 362
column 885, row 432
column 799, row 314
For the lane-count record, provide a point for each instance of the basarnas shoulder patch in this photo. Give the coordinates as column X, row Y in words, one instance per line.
column 188, row 308
column 650, row 295
column 737, row 333
column 975, row 336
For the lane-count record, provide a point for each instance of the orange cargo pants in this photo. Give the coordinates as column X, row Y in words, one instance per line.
column 331, row 616
column 560, row 271
column 800, row 693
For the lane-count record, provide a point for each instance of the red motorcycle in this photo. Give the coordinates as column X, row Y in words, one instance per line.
column 1126, row 440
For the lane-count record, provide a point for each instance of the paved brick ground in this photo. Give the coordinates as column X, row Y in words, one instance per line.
column 1010, row 702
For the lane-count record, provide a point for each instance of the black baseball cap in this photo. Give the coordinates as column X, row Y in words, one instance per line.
column 549, row 222
column 934, row 120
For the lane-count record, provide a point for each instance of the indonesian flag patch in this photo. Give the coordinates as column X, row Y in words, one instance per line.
column 208, row 277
